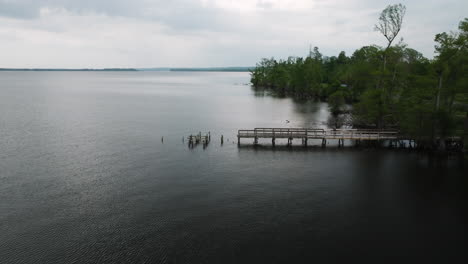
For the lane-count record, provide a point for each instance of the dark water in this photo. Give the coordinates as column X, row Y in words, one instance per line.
column 85, row 178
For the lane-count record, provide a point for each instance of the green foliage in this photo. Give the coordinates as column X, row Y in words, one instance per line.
column 421, row 97
column 451, row 66
column 336, row 101
column 370, row 110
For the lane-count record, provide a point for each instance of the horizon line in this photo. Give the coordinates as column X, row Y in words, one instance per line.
column 128, row 68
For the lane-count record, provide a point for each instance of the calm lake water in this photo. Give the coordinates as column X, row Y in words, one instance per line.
column 85, row 178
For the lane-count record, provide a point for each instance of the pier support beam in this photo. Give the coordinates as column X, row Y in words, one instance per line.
column 273, row 141
column 324, row 142
column 402, row 144
column 357, row 143
column 256, row 140
column 190, row 141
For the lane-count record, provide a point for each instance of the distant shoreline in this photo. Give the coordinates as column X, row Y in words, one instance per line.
column 26, row 69
column 215, row 69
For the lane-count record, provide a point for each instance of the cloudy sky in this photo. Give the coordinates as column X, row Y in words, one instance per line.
column 203, row 33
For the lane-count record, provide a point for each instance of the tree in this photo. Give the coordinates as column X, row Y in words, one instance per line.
column 316, row 54
column 451, row 67
column 370, row 111
column 336, row 101
column 390, row 22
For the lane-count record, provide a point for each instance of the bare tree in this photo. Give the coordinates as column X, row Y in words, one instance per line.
column 389, row 25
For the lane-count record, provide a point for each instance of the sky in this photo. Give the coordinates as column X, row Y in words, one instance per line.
column 203, row 33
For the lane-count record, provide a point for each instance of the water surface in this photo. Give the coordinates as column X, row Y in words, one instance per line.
column 85, row 178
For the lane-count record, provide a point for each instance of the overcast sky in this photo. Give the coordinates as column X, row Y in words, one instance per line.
column 203, row 33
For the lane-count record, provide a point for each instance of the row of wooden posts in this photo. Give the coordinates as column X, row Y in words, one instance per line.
column 194, row 140
column 365, row 138
column 392, row 143
column 358, row 142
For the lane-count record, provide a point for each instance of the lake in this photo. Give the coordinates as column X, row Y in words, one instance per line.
column 86, row 178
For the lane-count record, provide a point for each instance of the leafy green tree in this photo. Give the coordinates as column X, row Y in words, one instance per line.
column 336, row 101
column 370, row 111
column 452, row 70
column 393, row 86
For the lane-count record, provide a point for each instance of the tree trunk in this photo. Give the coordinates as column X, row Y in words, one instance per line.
column 384, row 62
column 435, row 121
column 438, row 92
column 465, row 138
column 450, row 105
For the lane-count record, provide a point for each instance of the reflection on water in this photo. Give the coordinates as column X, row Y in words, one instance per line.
column 308, row 113
column 313, row 113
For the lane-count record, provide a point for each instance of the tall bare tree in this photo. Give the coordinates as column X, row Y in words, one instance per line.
column 390, row 22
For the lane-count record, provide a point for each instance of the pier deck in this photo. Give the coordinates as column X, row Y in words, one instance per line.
column 313, row 133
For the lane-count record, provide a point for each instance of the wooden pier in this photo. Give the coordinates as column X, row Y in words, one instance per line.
column 305, row 134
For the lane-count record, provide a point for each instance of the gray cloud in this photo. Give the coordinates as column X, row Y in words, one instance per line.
column 180, row 14
column 31, row 8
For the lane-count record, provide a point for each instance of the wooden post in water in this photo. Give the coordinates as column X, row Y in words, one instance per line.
column 162, row 139
column 273, row 141
column 324, row 142
column 190, row 141
column 222, row 139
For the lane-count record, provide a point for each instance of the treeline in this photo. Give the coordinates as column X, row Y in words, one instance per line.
column 389, row 87
column 214, row 69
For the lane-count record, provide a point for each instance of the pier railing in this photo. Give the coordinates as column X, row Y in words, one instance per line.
column 317, row 133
